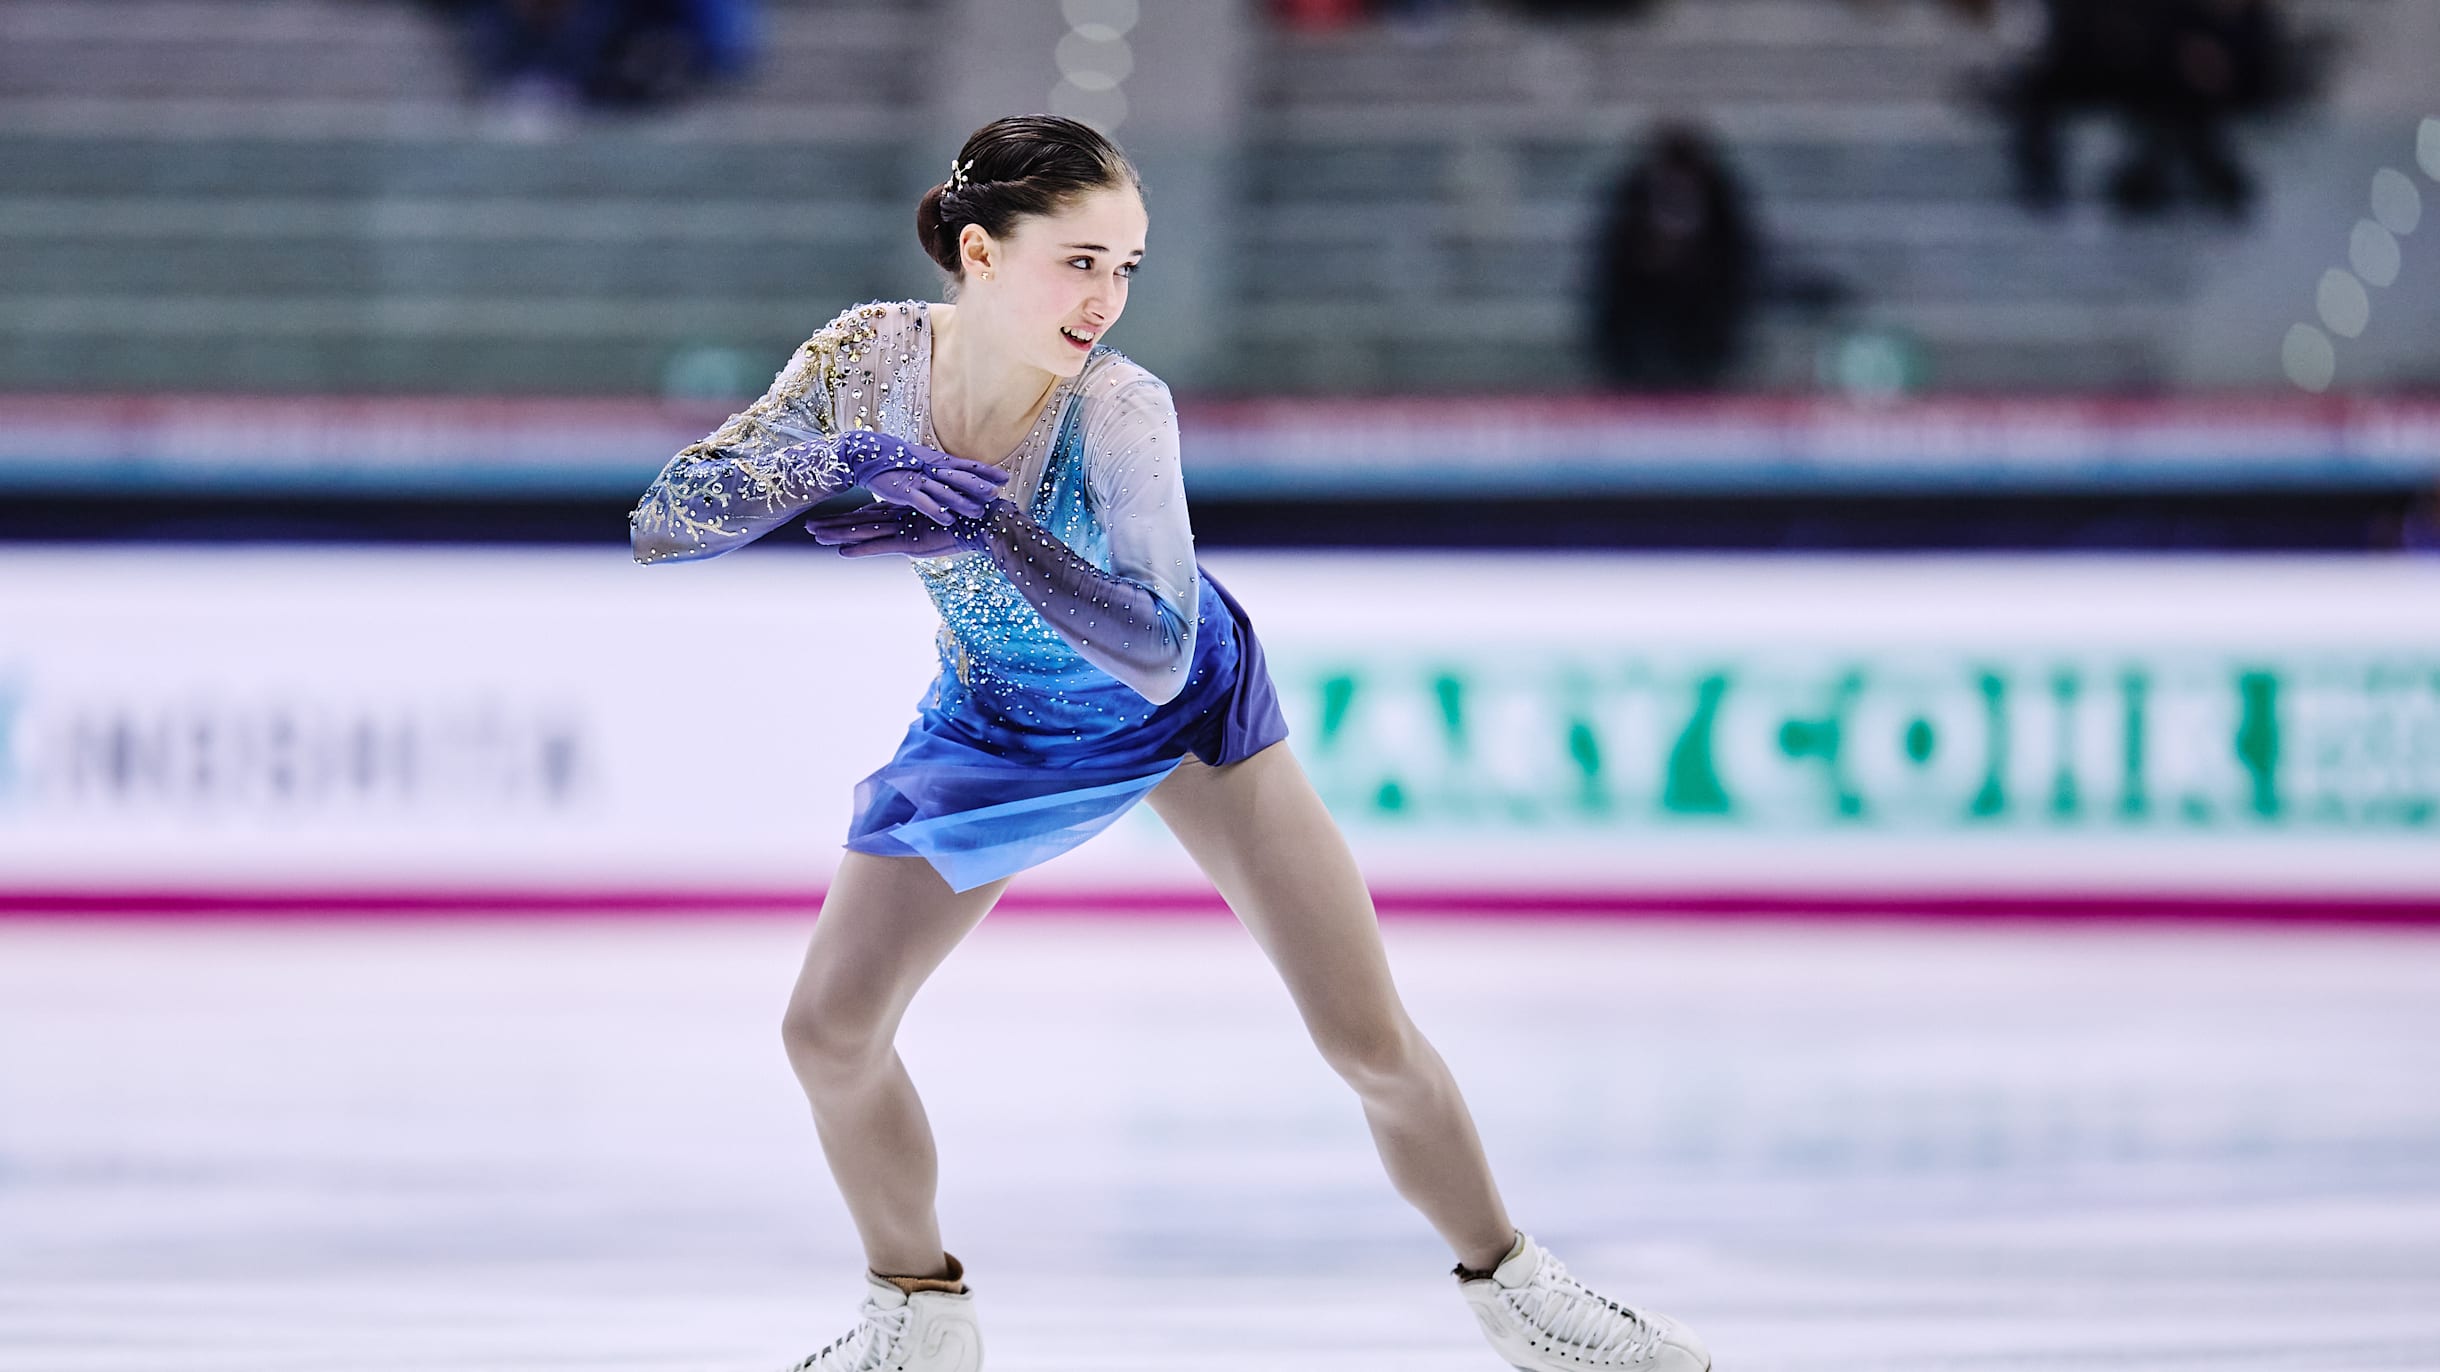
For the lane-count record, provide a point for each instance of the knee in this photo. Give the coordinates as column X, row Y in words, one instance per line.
column 1375, row 1055
column 832, row 1038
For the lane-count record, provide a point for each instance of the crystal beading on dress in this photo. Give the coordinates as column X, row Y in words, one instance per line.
column 775, row 459
column 1083, row 653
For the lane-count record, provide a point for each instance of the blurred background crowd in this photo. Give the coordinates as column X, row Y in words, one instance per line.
column 607, row 53
column 1872, row 203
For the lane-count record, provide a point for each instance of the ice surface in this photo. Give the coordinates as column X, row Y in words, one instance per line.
column 575, row 1144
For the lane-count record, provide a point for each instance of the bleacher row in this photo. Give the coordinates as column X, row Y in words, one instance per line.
column 296, row 195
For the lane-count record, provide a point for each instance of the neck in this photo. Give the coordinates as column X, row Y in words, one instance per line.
column 977, row 388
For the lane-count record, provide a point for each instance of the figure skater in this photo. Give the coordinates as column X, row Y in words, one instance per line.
column 1030, row 474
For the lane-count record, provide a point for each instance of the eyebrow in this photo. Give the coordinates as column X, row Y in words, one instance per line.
column 1097, row 247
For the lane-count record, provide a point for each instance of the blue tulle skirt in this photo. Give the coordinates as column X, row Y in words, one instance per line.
column 981, row 798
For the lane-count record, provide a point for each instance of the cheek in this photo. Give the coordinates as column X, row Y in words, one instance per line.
column 1052, row 295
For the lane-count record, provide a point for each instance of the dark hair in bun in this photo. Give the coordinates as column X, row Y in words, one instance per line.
column 1013, row 167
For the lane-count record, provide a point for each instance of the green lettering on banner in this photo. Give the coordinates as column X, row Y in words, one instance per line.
column 1922, row 740
column 2133, row 800
column 1449, row 698
column 2258, row 740
column 1591, row 794
column 1821, row 739
column 1991, row 801
column 2065, row 799
column 1694, row 785
column 1895, row 742
column 1338, row 699
column 1584, row 749
column 1338, row 696
column 1449, row 693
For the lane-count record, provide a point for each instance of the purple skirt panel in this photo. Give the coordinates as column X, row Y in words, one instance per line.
column 982, row 798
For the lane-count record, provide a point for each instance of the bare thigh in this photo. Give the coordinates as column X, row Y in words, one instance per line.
column 1261, row 833
column 886, row 925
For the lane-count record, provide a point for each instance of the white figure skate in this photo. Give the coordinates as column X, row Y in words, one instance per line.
column 1543, row 1320
column 928, row 1331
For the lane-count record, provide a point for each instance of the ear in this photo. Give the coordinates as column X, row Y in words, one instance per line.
column 977, row 251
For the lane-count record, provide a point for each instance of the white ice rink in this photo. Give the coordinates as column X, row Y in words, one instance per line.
column 575, row 1144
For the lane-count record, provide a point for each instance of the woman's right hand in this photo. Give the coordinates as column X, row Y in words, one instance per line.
column 935, row 484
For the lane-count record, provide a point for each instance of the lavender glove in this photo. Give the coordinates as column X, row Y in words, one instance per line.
column 933, row 483
column 1118, row 625
column 881, row 529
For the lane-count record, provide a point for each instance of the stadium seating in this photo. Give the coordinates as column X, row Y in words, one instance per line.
column 1847, row 124
column 296, row 195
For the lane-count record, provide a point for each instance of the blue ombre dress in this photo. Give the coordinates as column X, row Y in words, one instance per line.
column 1034, row 737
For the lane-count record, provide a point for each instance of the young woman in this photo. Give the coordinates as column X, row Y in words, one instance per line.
column 1031, row 475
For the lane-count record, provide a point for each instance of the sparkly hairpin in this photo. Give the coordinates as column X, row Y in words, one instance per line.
column 957, row 173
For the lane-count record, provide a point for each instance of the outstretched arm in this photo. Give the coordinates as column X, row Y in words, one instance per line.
column 786, row 453
column 771, row 461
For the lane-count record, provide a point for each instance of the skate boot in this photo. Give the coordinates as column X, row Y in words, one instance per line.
column 928, row 1329
column 1542, row 1320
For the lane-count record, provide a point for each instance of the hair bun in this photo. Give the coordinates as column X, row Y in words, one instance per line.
column 932, row 230
column 1011, row 168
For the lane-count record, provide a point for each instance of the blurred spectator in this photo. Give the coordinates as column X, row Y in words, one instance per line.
column 1674, row 268
column 2176, row 72
column 2418, row 529
column 1316, row 15
column 2216, row 63
column 1972, row 11
column 1577, row 9
column 1419, row 14
column 604, row 53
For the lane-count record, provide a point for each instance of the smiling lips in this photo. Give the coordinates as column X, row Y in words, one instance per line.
column 1080, row 339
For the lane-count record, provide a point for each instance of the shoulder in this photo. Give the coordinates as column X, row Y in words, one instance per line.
column 859, row 329
column 1113, row 383
column 866, row 337
column 1129, row 422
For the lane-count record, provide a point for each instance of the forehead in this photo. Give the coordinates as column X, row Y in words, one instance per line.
column 1112, row 216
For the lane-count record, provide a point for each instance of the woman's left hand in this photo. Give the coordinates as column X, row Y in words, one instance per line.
column 879, row 530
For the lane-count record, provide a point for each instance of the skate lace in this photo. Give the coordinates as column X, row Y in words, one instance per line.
column 1567, row 1313
column 864, row 1347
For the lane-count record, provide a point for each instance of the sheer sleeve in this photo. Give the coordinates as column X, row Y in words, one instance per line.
column 1132, row 468
column 1137, row 620
column 771, row 461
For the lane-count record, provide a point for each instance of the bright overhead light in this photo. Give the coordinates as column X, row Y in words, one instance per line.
column 1094, row 66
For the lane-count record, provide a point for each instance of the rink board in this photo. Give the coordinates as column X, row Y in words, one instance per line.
column 393, row 728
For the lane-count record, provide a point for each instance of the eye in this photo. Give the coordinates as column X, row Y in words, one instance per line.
column 1084, row 263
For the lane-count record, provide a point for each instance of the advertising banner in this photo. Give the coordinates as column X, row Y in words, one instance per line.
column 358, row 728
